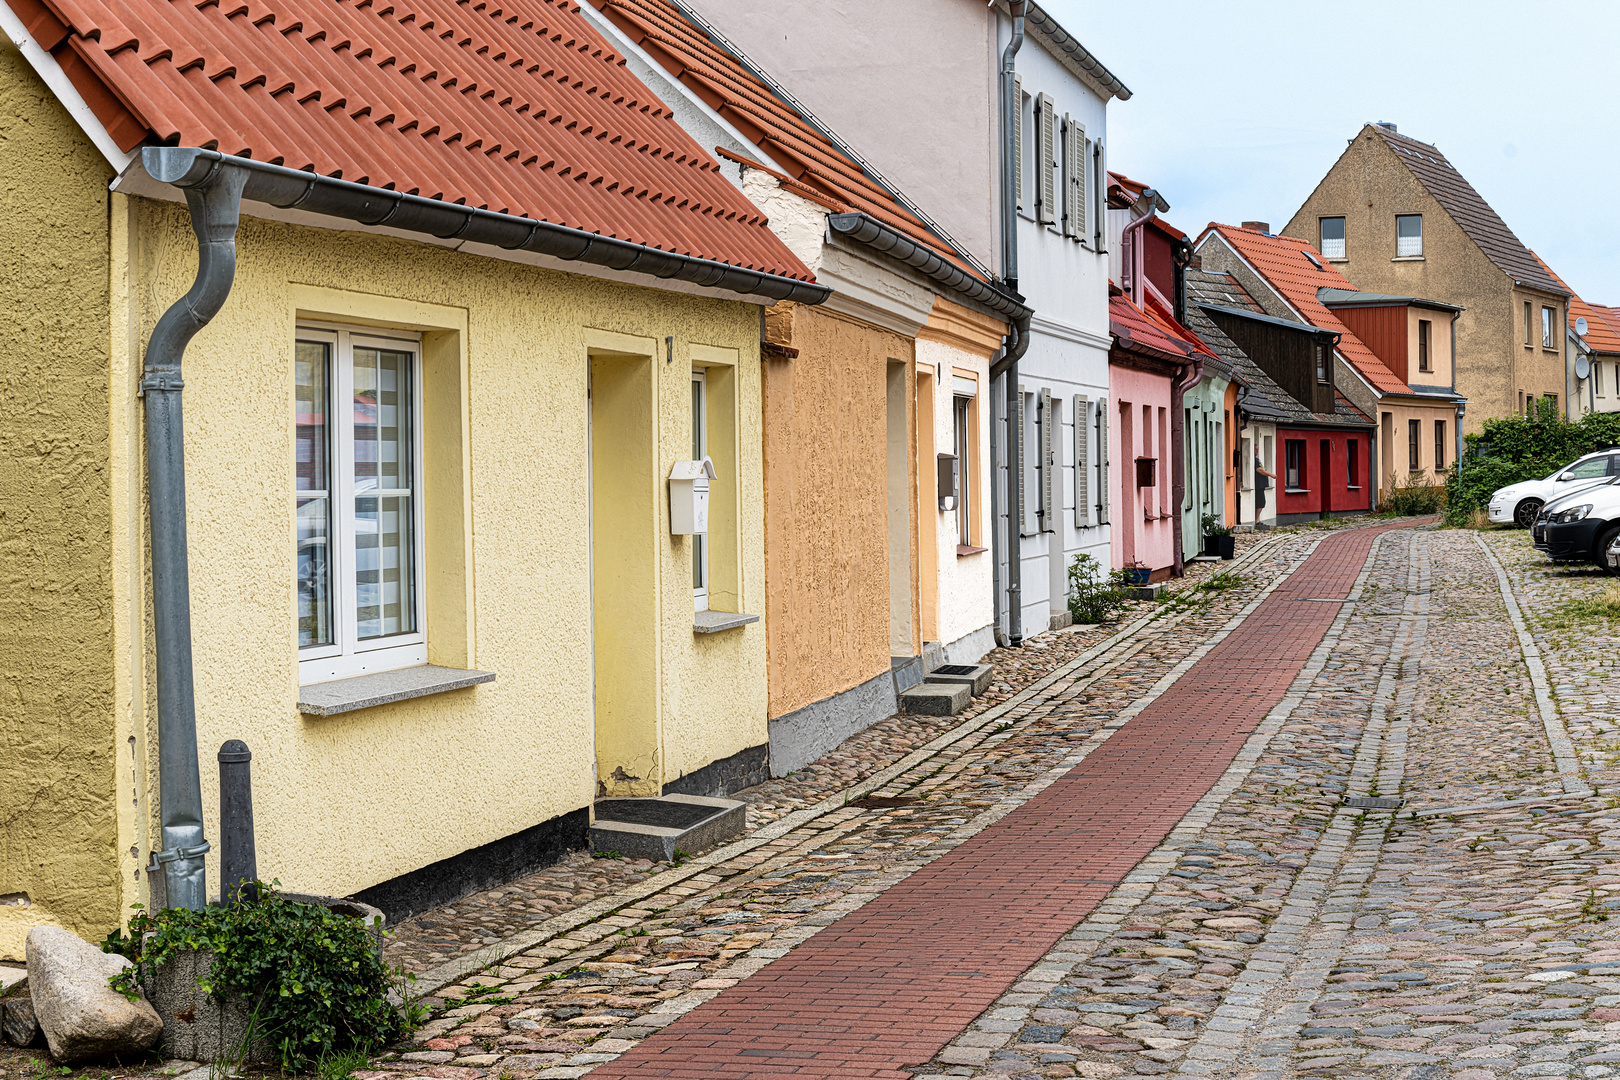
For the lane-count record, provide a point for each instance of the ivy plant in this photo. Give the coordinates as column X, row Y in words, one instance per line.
column 312, row 975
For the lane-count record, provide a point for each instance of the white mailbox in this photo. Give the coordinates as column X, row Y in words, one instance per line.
column 689, row 497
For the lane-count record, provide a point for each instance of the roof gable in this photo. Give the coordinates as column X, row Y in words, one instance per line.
column 1295, row 270
column 520, row 109
column 1469, row 210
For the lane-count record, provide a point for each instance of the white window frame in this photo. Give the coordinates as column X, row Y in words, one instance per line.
column 347, row 655
column 1413, row 254
column 1549, row 326
column 700, row 449
column 1322, row 238
column 964, row 434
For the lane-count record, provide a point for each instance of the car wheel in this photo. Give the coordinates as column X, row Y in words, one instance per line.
column 1600, row 553
column 1525, row 513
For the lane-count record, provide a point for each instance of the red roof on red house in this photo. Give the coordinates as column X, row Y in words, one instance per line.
column 817, row 166
column 520, row 108
column 1296, row 270
column 1153, row 331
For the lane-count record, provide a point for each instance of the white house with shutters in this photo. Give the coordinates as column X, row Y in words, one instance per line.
column 1063, row 244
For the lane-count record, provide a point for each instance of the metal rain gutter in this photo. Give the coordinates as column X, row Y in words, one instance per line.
column 868, row 231
column 1066, row 42
column 213, row 191
column 293, row 189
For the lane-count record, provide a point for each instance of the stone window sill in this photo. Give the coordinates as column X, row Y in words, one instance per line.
column 1296, row 491
column 1407, row 258
column 384, row 687
column 715, row 622
column 964, row 550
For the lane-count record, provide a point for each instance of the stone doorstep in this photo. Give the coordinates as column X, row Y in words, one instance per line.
column 648, row 838
column 978, row 678
column 936, row 699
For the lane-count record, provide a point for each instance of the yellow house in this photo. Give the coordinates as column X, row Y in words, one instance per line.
column 876, row 403
column 462, row 309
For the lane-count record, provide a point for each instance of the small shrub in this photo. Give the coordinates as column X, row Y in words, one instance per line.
column 1419, row 497
column 1095, row 596
column 312, row 976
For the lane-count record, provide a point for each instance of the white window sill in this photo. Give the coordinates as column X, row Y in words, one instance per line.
column 1296, row 491
column 715, row 622
column 1340, row 259
column 384, row 687
column 1407, row 258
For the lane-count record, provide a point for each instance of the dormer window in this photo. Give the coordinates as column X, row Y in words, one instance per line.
column 1333, row 237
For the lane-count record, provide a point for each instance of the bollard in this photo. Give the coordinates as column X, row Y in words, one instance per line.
column 238, row 865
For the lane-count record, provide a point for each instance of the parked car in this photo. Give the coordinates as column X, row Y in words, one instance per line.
column 1522, row 501
column 1538, row 529
column 1585, row 526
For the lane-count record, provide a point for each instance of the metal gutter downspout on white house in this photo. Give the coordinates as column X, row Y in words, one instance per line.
column 1017, row 341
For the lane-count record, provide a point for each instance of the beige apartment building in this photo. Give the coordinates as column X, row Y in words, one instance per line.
column 1394, row 216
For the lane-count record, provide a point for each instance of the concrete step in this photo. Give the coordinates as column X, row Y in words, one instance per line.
column 936, row 699
column 976, row 676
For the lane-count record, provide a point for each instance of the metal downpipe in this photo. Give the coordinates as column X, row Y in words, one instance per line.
column 215, row 202
column 1018, row 336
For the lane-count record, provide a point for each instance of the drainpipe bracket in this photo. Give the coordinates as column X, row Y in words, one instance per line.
column 160, row 380
column 159, row 858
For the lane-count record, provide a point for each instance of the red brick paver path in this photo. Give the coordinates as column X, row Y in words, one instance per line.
column 892, row 982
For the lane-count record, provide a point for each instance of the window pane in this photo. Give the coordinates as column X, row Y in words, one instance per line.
column 1409, row 234
column 385, row 601
column 700, row 554
column 1546, row 328
column 1333, row 237
column 311, row 366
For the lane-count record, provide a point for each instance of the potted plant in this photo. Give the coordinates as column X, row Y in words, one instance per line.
column 1218, row 538
column 1137, row 573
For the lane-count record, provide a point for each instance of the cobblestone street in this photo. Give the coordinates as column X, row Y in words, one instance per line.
column 1134, row 857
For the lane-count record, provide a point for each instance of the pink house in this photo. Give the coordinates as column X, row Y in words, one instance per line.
column 1151, row 355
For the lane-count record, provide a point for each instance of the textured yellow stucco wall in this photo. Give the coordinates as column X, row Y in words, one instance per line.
column 828, row 599
column 345, row 802
column 57, row 758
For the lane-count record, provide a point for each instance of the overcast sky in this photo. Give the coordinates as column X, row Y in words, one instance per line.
column 1240, row 107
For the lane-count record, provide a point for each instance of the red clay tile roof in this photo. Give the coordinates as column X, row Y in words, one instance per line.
column 1282, row 262
column 732, row 89
column 1469, row 210
column 1153, row 332
column 1602, row 325
column 518, row 107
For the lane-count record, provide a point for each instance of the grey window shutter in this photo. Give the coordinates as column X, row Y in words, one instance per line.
column 1051, row 439
column 1046, row 190
column 1102, row 461
column 1018, row 138
column 1074, row 193
column 1023, row 469
column 1066, row 175
column 1082, row 464
column 1099, row 190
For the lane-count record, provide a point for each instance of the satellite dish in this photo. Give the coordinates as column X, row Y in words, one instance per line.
column 1580, row 330
column 1583, row 367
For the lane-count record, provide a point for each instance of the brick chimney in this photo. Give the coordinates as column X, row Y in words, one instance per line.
column 1387, row 126
column 1258, row 226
